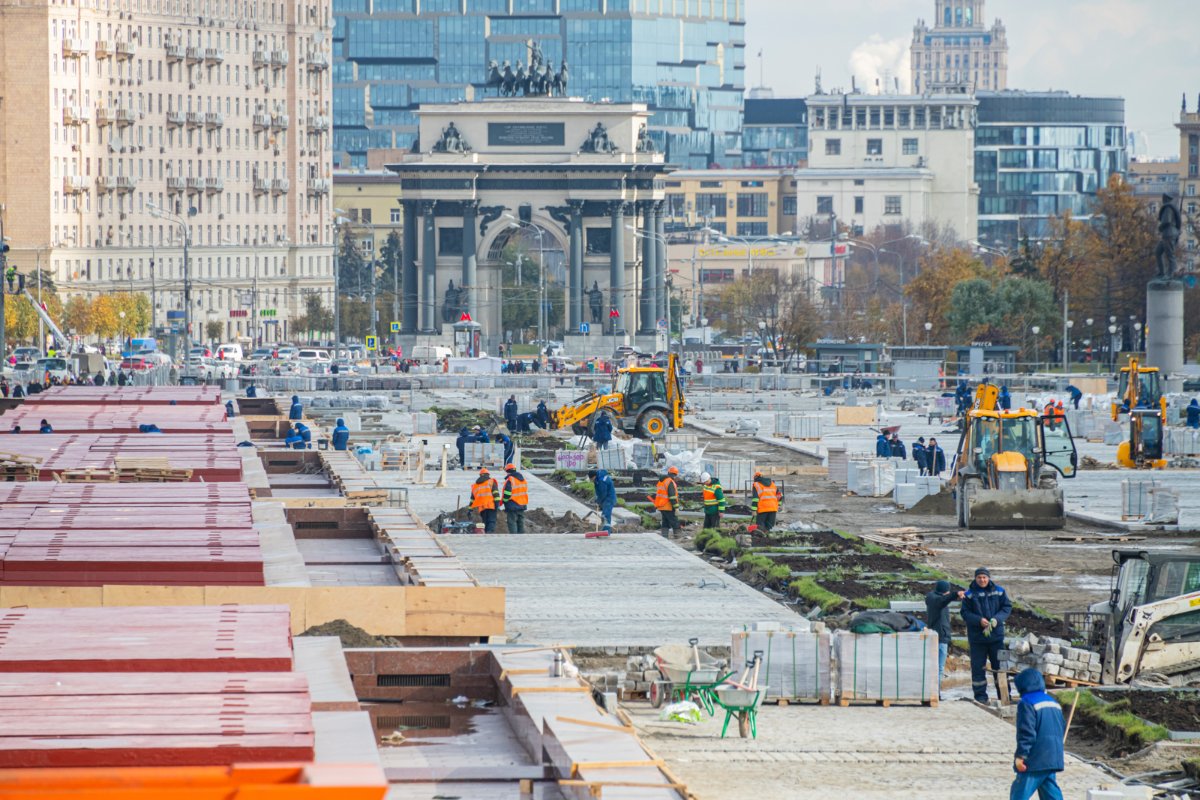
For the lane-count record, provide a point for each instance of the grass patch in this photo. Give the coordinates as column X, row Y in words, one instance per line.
column 1116, row 715
column 585, row 489
column 704, row 537
column 564, row 476
column 873, row 603
column 808, row 589
column 721, row 545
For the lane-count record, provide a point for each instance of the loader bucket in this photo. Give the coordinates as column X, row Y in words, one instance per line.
column 1029, row 508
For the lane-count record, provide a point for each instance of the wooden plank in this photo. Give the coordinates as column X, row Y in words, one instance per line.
column 591, row 723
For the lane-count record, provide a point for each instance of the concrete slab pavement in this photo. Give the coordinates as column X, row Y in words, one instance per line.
column 636, row 590
column 813, row 752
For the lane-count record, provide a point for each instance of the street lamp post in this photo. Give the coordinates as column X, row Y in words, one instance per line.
column 185, row 230
column 1112, row 346
column 928, row 329
column 1091, row 338
column 1036, row 330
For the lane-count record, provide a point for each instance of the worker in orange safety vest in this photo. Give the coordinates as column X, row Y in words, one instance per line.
column 666, row 500
column 516, row 499
column 485, row 498
column 767, row 494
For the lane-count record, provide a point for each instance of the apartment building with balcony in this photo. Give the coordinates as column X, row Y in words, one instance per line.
column 216, row 112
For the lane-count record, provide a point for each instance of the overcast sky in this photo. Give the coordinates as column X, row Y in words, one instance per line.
column 1147, row 51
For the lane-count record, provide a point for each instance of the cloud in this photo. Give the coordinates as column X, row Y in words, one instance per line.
column 882, row 60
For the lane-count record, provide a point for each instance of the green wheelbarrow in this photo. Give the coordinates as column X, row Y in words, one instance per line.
column 742, row 699
column 688, row 674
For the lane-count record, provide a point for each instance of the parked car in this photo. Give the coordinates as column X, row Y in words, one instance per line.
column 262, row 353
column 136, row 364
column 287, row 351
column 27, row 353
column 312, row 356
column 229, row 352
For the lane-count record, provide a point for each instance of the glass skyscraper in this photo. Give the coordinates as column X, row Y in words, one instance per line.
column 684, row 58
column 1040, row 154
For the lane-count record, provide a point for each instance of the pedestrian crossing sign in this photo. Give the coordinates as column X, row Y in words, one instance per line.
column 395, row 327
column 372, row 342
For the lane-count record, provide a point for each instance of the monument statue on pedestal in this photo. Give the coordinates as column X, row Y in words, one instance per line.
column 451, row 141
column 595, row 301
column 598, row 141
column 1169, row 226
column 452, row 304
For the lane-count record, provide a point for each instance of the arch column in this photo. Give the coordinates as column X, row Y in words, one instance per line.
column 660, row 263
column 409, row 323
column 576, row 293
column 429, row 262
column 647, row 303
column 469, row 263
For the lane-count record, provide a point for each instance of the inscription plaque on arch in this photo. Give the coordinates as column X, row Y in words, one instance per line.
column 526, row 134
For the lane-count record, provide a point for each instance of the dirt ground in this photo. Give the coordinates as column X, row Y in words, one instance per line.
column 351, row 635
column 536, row 521
column 1052, row 575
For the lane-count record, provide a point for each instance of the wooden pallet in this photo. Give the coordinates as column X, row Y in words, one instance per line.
column 1059, row 682
column 784, row 702
column 156, row 475
column 126, row 463
column 18, row 472
column 89, row 475
column 18, row 458
column 844, row 701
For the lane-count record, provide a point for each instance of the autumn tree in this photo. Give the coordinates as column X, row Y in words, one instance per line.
column 105, row 321
column 788, row 320
column 931, row 290
column 77, row 316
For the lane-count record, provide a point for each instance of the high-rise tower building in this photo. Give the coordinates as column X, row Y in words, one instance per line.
column 685, row 60
column 218, row 114
column 959, row 53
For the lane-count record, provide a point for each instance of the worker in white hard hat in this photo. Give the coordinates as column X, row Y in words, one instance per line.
column 714, row 501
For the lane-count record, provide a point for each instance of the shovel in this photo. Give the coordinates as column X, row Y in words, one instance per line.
column 695, row 651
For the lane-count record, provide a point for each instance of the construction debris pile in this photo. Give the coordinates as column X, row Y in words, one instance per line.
column 1052, row 657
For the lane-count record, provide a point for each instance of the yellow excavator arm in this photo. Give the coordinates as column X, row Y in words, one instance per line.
column 581, row 411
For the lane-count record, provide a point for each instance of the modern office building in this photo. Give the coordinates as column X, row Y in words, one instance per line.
column 959, row 53
column 1040, row 154
column 737, row 202
column 684, row 60
column 775, row 132
column 885, row 160
column 219, row 115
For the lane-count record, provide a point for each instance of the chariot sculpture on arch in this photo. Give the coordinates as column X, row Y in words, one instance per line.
column 529, row 79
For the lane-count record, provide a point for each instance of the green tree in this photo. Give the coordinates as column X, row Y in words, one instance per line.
column 355, row 318
column 973, row 310
column 213, row 330
column 930, row 291
column 316, row 317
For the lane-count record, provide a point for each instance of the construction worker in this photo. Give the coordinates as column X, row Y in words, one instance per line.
column 935, row 458
column 606, row 495
column 1076, row 396
column 510, row 412
column 714, row 501
column 252, row 391
column 602, row 431
column 305, row 436
column 294, row 440
column 510, row 449
column 516, row 499
column 897, row 447
column 1041, row 734
column 985, row 607
column 883, row 448
column 768, row 501
column 666, row 500
column 543, row 414
column 1193, row 414
column 485, row 497
column 341, row 435
column 297, row 410
column 464, row 436
column 230, row 411
column 1060, row 415
column 1005, row 399
column 919, row 455
column 1048, row 413
column 45, row 427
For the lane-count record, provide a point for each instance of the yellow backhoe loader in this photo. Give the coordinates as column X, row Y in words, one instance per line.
column 1006, row 469
column 644, row 401
column 1139, row 394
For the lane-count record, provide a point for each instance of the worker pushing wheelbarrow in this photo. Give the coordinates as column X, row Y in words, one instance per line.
column 688, row 673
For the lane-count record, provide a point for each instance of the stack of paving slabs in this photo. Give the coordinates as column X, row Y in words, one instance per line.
column 1054, row 658
column 150, row 686
column 885, row 668
column 795, row 660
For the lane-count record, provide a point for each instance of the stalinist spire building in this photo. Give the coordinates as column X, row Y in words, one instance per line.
column 959, row 53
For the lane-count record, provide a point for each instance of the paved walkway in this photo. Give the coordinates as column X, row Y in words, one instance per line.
column 627, row 590
column 813, row 752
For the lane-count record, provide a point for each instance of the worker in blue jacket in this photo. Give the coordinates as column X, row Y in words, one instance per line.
column 294, row 440
column 1076, row 396
column 230, row 411
column 45, row 427
column 464, row 436
column 305, row 436
column 935, row 458
column 481, row 435
column 252, row 391
column 510, row 412
column 919, row 454
column 1193, row 414
column 897, row 449
column 543, row 415
column 602, row 431
column 883, row 448
column 341, row 435
column 297, row 410
column 985, row 607
column 606, row 495
column 1005, row 399
column 510, row 449
column 1040, row 735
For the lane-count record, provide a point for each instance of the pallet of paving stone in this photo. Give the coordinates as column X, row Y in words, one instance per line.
column 796, row 662
column 146, row 639
column 174, row 496
column 127, row 395
column 125, row 419
column 74, row 565
column 886, row 669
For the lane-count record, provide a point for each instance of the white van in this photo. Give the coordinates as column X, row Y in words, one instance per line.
column 427, row 353
column 312, row 356
column 229, row 352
